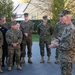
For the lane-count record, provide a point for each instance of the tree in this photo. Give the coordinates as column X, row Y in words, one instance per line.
column 57, row 7
column 24, row 1
column 43, row 5
column 6, row 7
column 70, row 5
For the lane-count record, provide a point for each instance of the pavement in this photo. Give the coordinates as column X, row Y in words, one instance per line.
column 37, row 68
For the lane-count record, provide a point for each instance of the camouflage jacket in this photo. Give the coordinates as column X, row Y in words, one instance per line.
column 45, row 31
column 58, row 30
column 13, row 36
column 66, row 44
column 1, row 39
column 27, row 27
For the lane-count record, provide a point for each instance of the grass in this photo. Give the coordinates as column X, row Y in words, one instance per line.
column 35, row 37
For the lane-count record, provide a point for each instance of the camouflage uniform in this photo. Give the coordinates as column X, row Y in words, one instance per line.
column 1, row 43
column 58, row 30
column 9, row 27
column 27, row 27
column 73, row 21
column 67, row 51
column 44, row 32
column 13, row 36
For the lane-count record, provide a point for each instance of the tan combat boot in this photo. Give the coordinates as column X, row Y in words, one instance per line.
column 9, row 68
column 42, row 60
column 22, row 60
column 1, row 69
column 57, row 61
column 48, row 61
column 29, row 60
column 19, row 67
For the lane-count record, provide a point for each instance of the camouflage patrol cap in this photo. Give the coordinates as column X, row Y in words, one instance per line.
column 13, row 16
column 13, row 23
column 3, row 16
column 64, row 12
column 26, row 14
column 45, row 17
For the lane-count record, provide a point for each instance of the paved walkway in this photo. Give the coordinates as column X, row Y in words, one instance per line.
column 37, row 68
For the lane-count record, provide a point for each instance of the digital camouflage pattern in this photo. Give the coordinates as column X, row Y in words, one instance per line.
column 66, row 68
column 45, row 32
column 67, row 51
column 13, row 36
column 58, row 30
column 27, row 27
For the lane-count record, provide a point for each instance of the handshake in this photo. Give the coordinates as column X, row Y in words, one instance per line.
column 54, row 43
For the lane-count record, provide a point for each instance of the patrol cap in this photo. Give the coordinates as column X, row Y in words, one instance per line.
column 13, row 16
column 13, row 23
column 45, row 17
column 64, row 12
column 26, row 14
column 3, row 16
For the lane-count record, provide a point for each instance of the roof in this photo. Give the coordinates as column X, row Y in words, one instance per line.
column 19, row 9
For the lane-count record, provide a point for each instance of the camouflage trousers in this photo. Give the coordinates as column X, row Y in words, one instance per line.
column 42, row 44
column 1, row 56
column 28, row 43
column 11, row 52
column 57, row 53
column 66, row 68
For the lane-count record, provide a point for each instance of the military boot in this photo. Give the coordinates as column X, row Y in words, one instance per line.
column 1, row 69
column 9, row 68
column 57, row 61
column 22, row 60
column 29, row 60
column 19, row 67
column 48, row 60
column 42, row 60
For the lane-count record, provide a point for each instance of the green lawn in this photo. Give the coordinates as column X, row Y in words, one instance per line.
column 35, row 37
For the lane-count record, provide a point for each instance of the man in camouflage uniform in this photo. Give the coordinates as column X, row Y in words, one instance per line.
column 14, row 39
column 67, row 44
column 27, row 27
column 45, row 32
column 13, row 18
column 1, row 43
column 5, row 23
column 58, row 30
